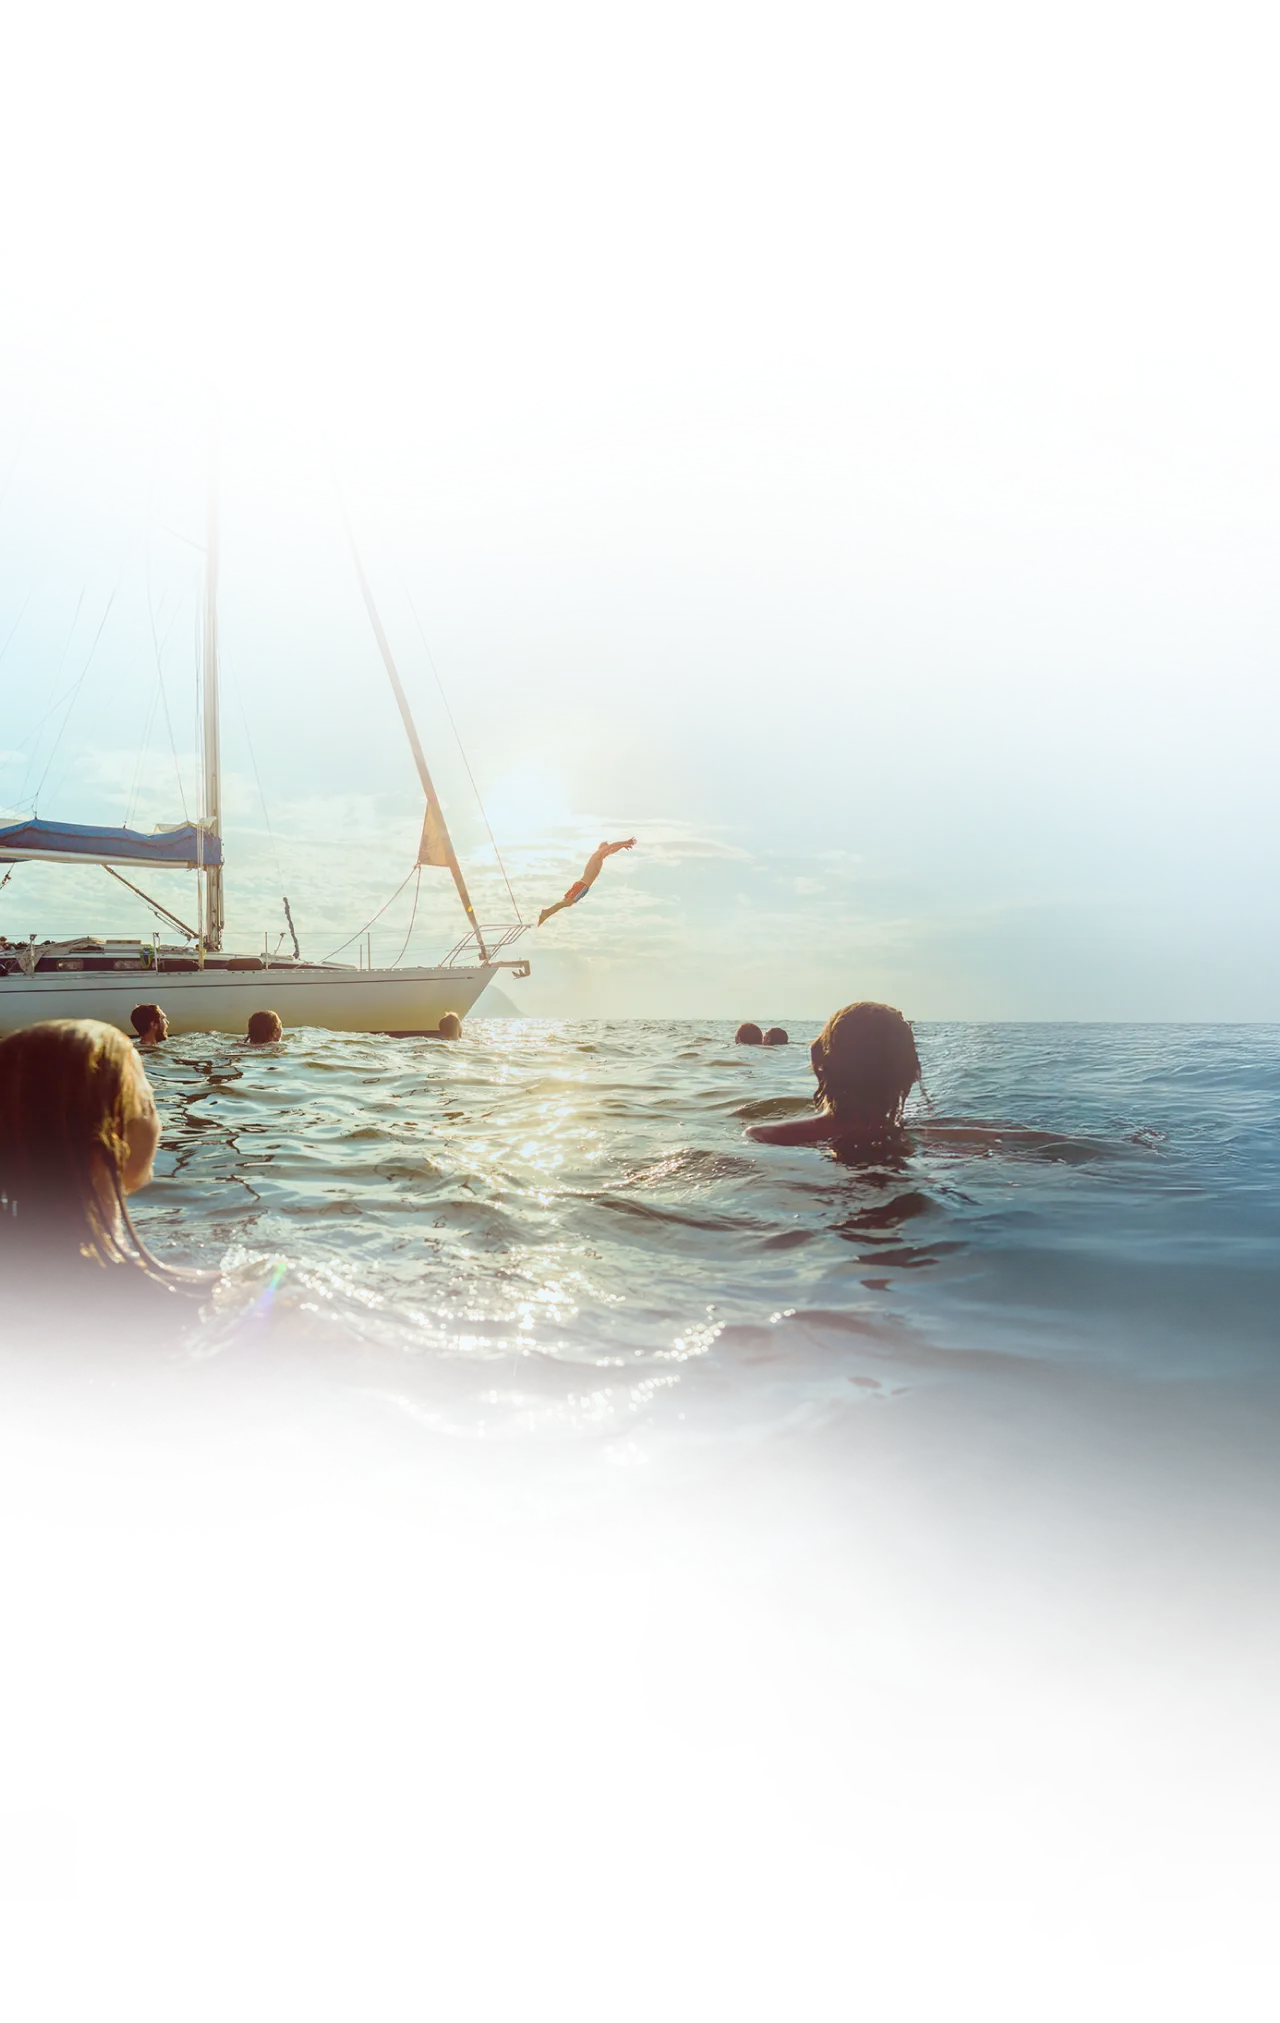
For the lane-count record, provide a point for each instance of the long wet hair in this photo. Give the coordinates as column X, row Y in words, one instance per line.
column 866, row 1065
column 68, row 1092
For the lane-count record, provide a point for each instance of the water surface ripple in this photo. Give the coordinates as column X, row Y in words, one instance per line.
column 562, row 1225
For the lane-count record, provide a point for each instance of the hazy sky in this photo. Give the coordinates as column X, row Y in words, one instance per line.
column 836, row 444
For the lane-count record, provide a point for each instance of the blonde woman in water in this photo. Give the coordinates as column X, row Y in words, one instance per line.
column 78, row 1135
column 89, row 1315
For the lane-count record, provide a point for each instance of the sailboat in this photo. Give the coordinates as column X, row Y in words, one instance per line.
column 199, row 986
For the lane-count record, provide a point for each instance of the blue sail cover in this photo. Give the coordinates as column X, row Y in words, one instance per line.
column 72, row 842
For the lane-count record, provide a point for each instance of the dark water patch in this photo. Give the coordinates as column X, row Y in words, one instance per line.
column 422, row 1171
column 970, row 1141
column 647, row 1211
column 903, row 1257
column 887, row 1214
column 320, row 1208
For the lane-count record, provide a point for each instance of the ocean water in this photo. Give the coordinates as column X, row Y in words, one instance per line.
column 1020, row 1390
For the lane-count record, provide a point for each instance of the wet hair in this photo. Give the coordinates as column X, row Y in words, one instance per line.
column 144, row 1016
column 748, row 1036
column 68, row 1093
column 450, row 1026
column 265, row 1026
column 866, row 1064
column 776, row 1037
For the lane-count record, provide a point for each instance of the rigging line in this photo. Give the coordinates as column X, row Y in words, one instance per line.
column 138, row 652
column 75, row 694
column 156, row 435
column 154, row 904
column 197, row 735
column 144, row 749
column 150, row 717
column 377, row 916
column 462, row 752
column 168, row 721
column 17, row 621
column 164, row 697
column 61, row 779
column 146, row 729
column 35, row 405
column 186, row 540
column 144, row 752
column 166, row 529
column 54, row 707
column 412, row 917
column 253, row 760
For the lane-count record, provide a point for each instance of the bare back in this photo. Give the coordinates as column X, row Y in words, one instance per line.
column 594, row 865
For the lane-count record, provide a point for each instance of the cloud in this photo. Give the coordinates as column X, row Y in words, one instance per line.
column 679, row 843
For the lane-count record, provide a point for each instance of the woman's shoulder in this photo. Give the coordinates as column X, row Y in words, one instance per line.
column 796, row 1131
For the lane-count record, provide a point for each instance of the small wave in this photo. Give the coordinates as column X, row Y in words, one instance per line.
column 1022, row 1141
column 733, row 1309
column 690, row 1163
column 647, row 1211
column 408, row 1169
column 773, row 1106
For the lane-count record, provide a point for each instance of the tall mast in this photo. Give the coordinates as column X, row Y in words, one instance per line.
column 213, row 919
column 436, row 846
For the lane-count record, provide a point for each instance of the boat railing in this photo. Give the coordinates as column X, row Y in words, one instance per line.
column 495, row 938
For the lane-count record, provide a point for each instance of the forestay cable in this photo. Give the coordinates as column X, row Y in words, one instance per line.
column 439, row 684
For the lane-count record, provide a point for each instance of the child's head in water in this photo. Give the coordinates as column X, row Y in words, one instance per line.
column 78, row 1131
column 866, row 1065
column 265, row 1028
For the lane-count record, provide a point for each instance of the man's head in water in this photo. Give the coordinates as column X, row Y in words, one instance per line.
column 264, row 1027
column 150, row 1024
column 866, row 1065
column 776, row 1037
column 748, row 1036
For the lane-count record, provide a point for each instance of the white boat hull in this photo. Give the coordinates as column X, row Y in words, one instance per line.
column 221, row 1001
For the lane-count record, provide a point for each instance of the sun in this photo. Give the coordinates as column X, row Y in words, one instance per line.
column 527, row 803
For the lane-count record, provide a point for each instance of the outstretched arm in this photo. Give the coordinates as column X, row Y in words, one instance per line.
column 610, row 848
column 796, row 1131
